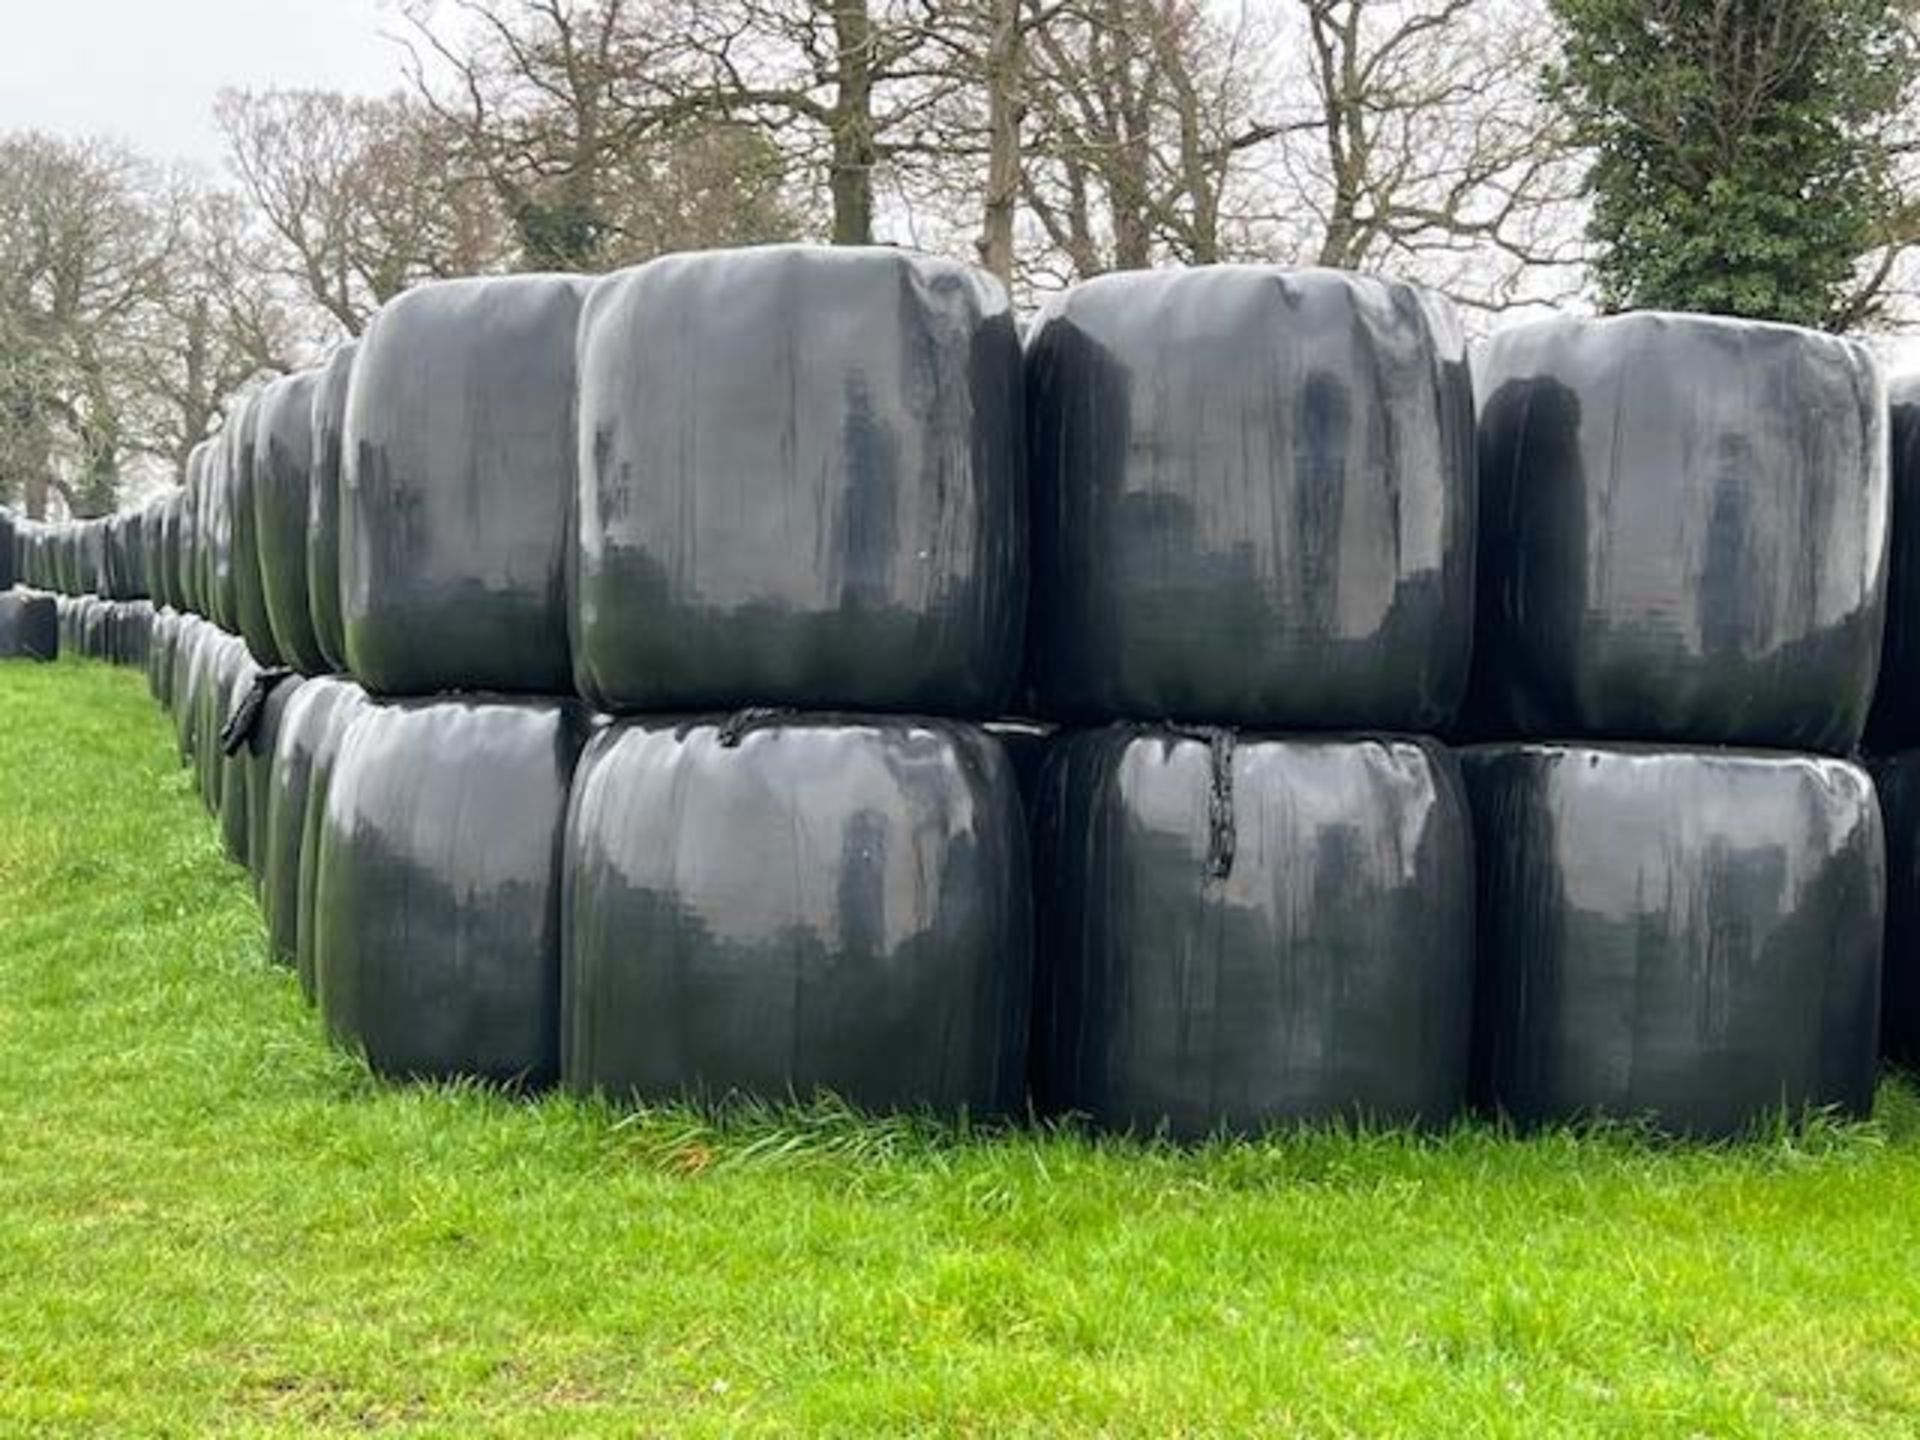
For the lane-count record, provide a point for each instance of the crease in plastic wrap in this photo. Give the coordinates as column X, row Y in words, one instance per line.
column 797, row 904
column 328, row 419
column 1683, row 533
column 1253, row 500
column 252, row 622
column 456, row 489
column 1241, row 931
column 282, row 502
column 801, row 483
column 437, row 904
column 1689, row 938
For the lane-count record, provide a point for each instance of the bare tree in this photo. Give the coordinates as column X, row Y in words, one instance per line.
column 580, row 117
column 360, row 194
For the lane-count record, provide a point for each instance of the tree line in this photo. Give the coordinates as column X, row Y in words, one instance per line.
column 1746, row 156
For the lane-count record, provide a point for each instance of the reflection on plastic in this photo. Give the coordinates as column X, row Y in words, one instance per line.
column 456, row 487
column 29, row 627
column 282, row 499
column 327, row 419
column 801, row 483
column 307, row 718
column 824, row 904
column 437, row 900
column 1683, row 532
column 1253, row 500
column 1240, row 931
column 1690, row 937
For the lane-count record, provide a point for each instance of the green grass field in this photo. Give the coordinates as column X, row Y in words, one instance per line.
column 212, row 1224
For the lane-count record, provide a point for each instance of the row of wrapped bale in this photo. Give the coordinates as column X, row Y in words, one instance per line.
column 793, row 480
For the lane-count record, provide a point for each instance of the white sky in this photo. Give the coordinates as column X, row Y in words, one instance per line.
column 146, row 71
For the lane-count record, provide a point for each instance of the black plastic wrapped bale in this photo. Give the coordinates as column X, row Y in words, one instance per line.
column 159, row 659
column 191, row 663
column 1253, row 500
column 29, row 626
column 327, row 420
column 233, row 783
column 801, row 483
column 216, row 528
column 258, row 754
column 255, row 626
column 437, row 901
column 305, row 719
column 1894, row 722
column 1026, row 743
column 1683, row 533
column 1690, row 938
column 8, row 550
column 1247, row 931
column 226, row 657
column 330, row 732
column 772, row 906
column 457, row 487
column 1897, row 778
column 282, row 503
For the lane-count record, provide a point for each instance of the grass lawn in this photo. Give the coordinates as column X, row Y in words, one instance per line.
column 212, row 1224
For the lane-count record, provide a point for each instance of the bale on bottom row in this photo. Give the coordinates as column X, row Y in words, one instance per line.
column 1690, row 937
column 29, row 627
column 1246, row 930
column 436, row 902
column 776, row 905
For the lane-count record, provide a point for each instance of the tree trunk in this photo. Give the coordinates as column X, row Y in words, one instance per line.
column 851, row 181
column 1006, row 64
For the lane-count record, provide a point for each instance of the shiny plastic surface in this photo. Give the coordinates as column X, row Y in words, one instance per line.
column 303, row 722
column 234, row 774
column 1897, row 779
column 8, row 545
column 329, row 731
column 826, row 904
column 437, row 901
column 1688, row 937
column 1683, row 533
column 457, row 486
column 327, row 420
column 1253, row 500
column 1894, row 723
column 801, row 483
column 249, row 582
column 282, row 501
column 29, row 627
column 1327, row 973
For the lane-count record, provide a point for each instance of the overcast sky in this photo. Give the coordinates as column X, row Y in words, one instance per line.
column 147, row 71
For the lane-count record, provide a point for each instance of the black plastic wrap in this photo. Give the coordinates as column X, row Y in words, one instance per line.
column 159, row 660
column 771, row 905
column 1687, row 937
column 1244, row 931
column 29, row 626
column 304, row 722
column 249, row 583
column 282, row 503
column 226, row 658
column 191, row 664
column 327, row 733
column 216, row 523
column 1253, row 500
column 457, row 486
column 9, row 542
column 1894, row 722
column 437, row 902
column 1897, row 778
column 801, row 483
column 233, row 783
column 1683, row 533
column 327, row 419
column 129, row 626
column 258, row 755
